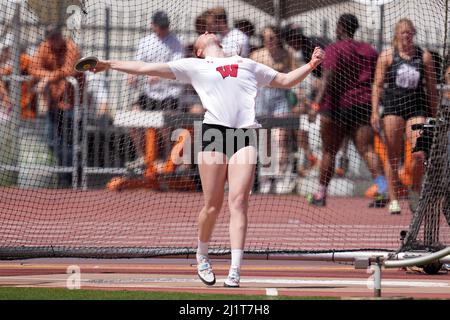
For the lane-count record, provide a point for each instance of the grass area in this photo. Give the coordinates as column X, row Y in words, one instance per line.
column 7, row 293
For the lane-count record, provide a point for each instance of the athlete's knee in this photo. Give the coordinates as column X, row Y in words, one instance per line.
column 238, row 202
column 212, row 209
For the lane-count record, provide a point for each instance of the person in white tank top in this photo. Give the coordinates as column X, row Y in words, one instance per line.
column 227, row 87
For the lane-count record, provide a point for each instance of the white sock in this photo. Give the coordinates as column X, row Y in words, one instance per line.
column 236, row 258
column 202, row 248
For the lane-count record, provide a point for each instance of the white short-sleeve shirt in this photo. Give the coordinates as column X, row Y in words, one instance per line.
column 155, row 50
column 227, row 87
column 235, row 42
column 96, row 87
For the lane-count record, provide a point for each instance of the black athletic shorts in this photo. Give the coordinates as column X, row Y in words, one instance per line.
column 407, row 112
column 149, row 104
column 350, row 118
column 226, row 140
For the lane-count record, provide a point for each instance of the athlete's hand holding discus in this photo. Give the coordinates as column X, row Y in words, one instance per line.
column 102, row 65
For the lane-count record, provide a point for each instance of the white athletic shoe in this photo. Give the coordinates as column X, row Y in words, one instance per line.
column 394, row 207
column 204, row 270
column 233, row 278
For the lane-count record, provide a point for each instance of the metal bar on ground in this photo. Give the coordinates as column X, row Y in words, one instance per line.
column 441, row 255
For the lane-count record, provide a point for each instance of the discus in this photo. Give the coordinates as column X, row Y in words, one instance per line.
column 86, row 64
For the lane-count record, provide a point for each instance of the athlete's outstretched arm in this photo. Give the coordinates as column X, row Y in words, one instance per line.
column 136, row 67
column 291, row 79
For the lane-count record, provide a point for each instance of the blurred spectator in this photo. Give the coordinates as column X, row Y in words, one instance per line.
column 158, row 94
column 438, row 66
column 5, row 105
column 248, row 29
column 344, row 100
column 447, row 84
column 6, row 50
column 200, row 24
column 52, row 63
column 306, row 159
column 274, row 102
column 5, row 102
column 27, row 95
column 293, row 35
column 102, row 145
column 245, row 26
column 206, row 21
column 97, row 96
column 234, row 41
column 405, row 84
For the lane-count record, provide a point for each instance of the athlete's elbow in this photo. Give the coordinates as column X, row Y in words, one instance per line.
column 285, row 81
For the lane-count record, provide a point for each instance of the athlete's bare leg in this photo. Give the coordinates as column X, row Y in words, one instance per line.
column 363, row 138
column 394, row 128
column 331, row 142
column 241, row 171
column 213, row 171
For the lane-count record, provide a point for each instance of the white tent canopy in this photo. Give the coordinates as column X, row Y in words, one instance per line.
column 283, row 9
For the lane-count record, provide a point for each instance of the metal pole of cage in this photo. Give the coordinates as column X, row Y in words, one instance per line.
column 84, row 141
column 76, row 134
column 16, row 82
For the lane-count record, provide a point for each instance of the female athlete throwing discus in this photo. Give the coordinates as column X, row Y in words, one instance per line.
column 227, row 87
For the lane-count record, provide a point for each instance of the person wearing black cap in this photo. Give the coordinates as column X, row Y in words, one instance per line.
column 157, row 94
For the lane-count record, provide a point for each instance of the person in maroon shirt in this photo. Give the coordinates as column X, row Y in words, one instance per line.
column 344, row 103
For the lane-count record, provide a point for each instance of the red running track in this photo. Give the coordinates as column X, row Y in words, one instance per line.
column 145, row 218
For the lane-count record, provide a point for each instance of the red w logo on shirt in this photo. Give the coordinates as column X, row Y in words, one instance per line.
column 228, row 70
